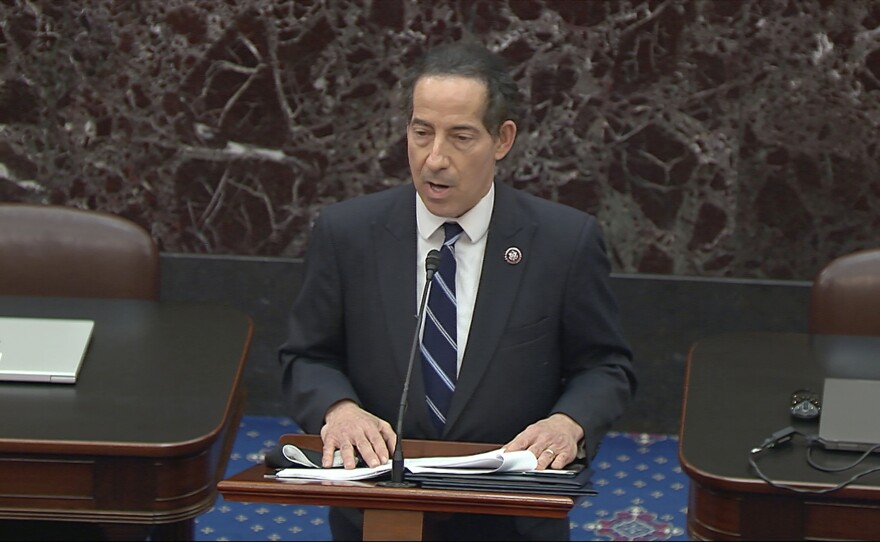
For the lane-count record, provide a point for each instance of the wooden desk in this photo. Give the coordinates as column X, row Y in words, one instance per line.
column 138, row 444
column 391, row 513
column 737, row 394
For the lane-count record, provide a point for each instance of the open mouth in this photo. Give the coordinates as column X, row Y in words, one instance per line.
column 436, row 187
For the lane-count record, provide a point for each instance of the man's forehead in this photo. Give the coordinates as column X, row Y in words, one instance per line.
column 451, row 77
column 468, row 87
column 444, row 98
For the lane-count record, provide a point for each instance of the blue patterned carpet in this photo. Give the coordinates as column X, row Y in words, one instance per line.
column 642, row 493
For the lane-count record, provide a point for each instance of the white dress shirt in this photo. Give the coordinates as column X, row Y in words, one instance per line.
column 469, row 251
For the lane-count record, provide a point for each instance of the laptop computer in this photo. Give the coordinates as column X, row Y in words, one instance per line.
column 43, row 349
column 850, row 417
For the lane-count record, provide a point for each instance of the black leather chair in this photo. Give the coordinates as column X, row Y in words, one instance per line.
column 49, row 250
column 845, row 296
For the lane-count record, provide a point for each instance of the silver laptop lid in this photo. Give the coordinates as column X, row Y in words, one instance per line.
column 43, row 349
column 850, row 418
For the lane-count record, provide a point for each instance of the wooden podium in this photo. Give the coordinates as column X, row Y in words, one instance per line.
column 391, row 513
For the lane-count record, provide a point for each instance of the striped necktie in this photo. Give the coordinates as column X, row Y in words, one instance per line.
column 439, row 344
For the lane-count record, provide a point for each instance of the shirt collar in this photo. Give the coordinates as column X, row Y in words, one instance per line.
column 475, row 222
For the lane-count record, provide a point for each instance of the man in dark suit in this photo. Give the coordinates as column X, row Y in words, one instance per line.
column 540, row 358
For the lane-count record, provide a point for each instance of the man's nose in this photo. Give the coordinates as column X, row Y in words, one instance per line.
column 438, row 159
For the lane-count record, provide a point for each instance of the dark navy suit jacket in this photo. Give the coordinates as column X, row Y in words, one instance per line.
column 545, row 335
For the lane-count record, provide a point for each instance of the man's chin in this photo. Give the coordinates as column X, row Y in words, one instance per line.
column 439, row 205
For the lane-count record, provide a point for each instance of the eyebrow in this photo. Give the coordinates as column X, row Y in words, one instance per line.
column 455, row 128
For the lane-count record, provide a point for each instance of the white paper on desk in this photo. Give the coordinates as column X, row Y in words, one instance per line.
column 335, row 474
column 485, row 463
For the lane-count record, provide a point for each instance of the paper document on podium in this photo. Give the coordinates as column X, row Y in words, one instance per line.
column 495, row 461
column 334, row 474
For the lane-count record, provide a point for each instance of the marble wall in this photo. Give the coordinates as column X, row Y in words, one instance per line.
column 712, row 138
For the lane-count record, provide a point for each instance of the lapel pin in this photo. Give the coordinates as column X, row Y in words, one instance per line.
column 513, row 255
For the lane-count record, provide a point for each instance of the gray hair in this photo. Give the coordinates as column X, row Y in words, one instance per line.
column 470, row 60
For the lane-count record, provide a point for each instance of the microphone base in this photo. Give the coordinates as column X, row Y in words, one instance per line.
column 392, row 483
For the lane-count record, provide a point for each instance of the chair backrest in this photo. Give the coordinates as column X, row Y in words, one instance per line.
column 845, row 297
column 49, row 250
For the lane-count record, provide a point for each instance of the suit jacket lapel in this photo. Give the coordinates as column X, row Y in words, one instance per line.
column 394, row 244
column 499, row 282
column 394, row 238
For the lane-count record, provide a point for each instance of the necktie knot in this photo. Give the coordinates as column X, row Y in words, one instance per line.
column 451, row 231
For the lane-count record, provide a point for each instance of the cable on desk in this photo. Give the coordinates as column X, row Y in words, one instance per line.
column 783, row 436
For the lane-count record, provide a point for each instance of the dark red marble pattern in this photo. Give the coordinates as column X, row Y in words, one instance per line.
column 711, row 138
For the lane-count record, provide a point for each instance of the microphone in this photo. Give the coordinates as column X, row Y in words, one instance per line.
column 432, row 262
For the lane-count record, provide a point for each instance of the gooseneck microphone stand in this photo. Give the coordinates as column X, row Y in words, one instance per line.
column 432, row 262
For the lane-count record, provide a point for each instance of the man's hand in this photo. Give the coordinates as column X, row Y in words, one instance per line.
column 351, row 429
column 553, row 440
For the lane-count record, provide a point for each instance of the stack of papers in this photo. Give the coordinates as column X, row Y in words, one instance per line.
column 495, row 470
column 484, row 463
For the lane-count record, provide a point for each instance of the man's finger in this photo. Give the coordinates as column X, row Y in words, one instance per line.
column 327, row 454
column 348, row 456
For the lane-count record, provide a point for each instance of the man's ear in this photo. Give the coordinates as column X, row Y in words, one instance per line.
column 506, row 137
